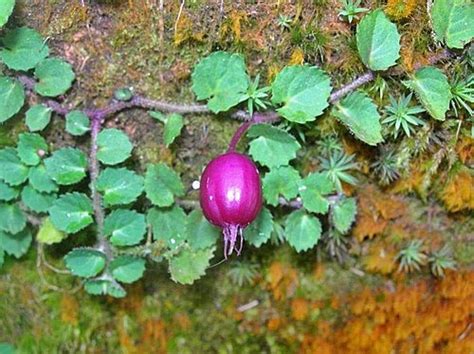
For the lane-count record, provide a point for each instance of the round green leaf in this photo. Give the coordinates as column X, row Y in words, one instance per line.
column 280, row 181
column 113, row 146
column 48, row 234
column 36, row 201
column 127, row 269
column 12, row 97
column 378, row 41
column 8, row 193
column 6, row 9
column 125, row 227
column 55, row 77
column 190, row 265
column 12, row 219
column 85, row 262
column 13, row 171
column 104, row 287
column 119, row 186
column 432, row 89
column 313, row 189
column 162, row 184
column 453, row 22
column 174, row 124
column 302, row 231
column 71, row 212
column 343, row 214
column 359, row 114
column 31, row 147
column 259, row 231
column 222, row 79
column 16, row 244
column 38, row 117
column 272, row 146
column 77, row 123
column 66, row 166
column 41, row 181
column 168, row 225
column 199, row 232
column 303, row 91
column 23, row 49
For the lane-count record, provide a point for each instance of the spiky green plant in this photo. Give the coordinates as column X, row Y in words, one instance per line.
column 284, row 21
column 256, row 97
column 400, row 116
column 242, row 273
column 336, row 245
column 328, row 145
column 337, row 168
column 440, row 261
column 463, row 94
column 412, row 257
column 386, row 166
column 351, row 9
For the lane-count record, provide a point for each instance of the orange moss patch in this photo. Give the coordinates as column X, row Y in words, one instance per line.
column 429, row 317
column 399, row 9
column 458, row 194
column 297, row 57
column 69, row 309
column 381, row 259
column 413, row 182
column 376, row 209
column 282, row 280
column 299, row 309
column 465, row 150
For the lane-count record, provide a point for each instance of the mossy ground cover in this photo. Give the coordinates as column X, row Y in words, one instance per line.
column 290, row 303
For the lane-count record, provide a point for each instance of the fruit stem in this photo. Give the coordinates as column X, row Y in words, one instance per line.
column 237, row 135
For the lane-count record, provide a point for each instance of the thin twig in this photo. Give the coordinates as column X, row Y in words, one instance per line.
column 344, row 90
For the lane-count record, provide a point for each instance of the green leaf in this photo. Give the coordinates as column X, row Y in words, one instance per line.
column 66, row 166
column 359, row 114
column 260, row 230
column 36, row 201
column 432, row 89
column 378, row 41
column 127, row 269
column 199, row 232
column 8, row 193
column 31, row 147
column 313, row 189
column 174, row 124
column 77, row 123
column 17, row 244
column 55, row 77
column 168, row 225
column 162, row 184
column 104, row 287
column 12, row 97
column 23, row 49
column 125, row 227
column 2, row 259
column 282, row 181
column 48, row 234
column 12, row 219
column 71, row 212
column 119, row 186
column 302, row 230
column 113, row 146
column 38, row 117
column 343, row 214
column 272, row 146
column 85, row 262
column 41, row 181
column 303, row 91
column 453, row 22
column 13, row 171
column 221, row 77
column 190, row 265
column 6, row 9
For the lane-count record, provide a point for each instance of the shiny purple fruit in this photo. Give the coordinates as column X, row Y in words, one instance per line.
column 231, row 196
